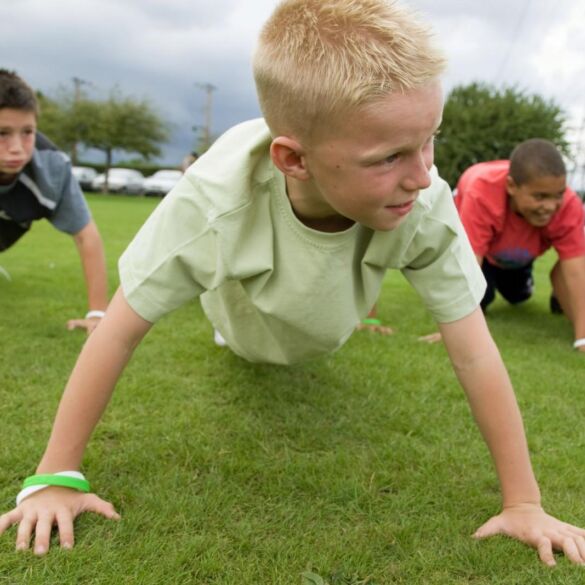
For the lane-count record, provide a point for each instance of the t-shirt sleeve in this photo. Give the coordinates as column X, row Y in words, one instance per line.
column 174, row 258
column 568, row 235
column 442, row 266
column 72, row 213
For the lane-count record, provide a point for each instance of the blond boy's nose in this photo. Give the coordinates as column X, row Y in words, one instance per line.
column 418, row 178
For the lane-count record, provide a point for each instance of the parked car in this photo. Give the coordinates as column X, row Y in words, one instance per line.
column 120, row 181
column 84, row 176
column 161, row 182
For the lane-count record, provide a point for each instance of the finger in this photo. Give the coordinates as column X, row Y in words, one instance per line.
column 492, row 527
column 381, row 329
column 580, row 542
column 65, row 525
column 43, row 534
column 431, row 338
column 572, row 552
column 76, row 324
column 91, row 325
column 24, row 532
column 545, row 551
column 571, row 530
column 9, row 519
column 385, row 330
column 91, row 503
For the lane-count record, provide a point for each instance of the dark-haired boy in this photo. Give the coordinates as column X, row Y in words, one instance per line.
column 514, row 211
column 36, row 183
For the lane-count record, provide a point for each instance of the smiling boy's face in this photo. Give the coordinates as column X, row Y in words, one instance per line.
column 17, row 141
column 538, row 200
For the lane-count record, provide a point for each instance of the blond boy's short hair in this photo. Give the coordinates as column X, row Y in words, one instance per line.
column 318, row 59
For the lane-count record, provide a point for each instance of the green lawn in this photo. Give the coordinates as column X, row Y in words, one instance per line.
column 362, row 467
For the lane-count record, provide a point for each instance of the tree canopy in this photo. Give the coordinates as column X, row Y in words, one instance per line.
column 482, row 123
column 117, row 123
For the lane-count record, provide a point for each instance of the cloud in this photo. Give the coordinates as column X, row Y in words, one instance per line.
column 162, row 50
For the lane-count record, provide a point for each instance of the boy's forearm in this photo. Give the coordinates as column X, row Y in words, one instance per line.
column 100, row 364
column 85, row 398
column 91, row 252
column 574, row 276
column 483, row 376
column 496, row 412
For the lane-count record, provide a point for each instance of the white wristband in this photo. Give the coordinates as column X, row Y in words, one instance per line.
column 579, row 343
column 29, row 491
column 95, row 314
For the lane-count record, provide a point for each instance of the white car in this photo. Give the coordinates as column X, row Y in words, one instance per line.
column 84, row 176
column 120, row 181
column 161, row 182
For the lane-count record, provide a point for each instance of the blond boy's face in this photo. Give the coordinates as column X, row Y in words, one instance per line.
column 17, row 141
column 370, row 167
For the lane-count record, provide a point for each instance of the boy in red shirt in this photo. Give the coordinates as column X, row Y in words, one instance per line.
column 513, row 211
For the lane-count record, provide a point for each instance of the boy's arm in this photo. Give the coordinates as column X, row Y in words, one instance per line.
column 573, row 277
column 482, row 374
column 437, row 337
column 101, row 362
column 372, row 323
column 91, row 252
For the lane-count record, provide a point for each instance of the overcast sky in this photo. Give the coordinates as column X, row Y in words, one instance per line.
column 162, row 49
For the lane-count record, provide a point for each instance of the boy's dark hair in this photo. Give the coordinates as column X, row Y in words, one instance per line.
column 535, row 158
column 15, row 93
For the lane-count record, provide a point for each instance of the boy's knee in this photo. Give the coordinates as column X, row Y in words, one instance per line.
column 520, row 298
column 520, row 294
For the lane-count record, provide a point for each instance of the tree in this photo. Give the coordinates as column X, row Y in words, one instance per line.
column 118, row 123
column 67, row 119
column 482, row 123
column 122, row 123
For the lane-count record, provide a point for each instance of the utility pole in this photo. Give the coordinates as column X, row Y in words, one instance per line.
column 206, row 127
column 77, row 84
column 577, row 173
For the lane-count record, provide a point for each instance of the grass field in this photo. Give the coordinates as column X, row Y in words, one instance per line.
column 363, row 467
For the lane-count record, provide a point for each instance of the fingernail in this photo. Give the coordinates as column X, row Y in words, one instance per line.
column 39, row 550
column 67, row 545
column 21, row 546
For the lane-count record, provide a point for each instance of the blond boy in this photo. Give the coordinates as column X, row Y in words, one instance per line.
column 287, row 227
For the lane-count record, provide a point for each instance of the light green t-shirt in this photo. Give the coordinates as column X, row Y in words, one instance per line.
column 278, row 291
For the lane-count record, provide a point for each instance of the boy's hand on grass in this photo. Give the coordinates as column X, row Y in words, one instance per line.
column 375, row 328
column 530, row 524
column 52, row 506
column 432, row 338
column 88, row 324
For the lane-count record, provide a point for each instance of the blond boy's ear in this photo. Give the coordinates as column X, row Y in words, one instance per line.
column 288, row 156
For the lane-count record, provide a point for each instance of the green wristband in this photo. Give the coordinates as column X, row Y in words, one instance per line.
column 81, row 485
column 371, row 321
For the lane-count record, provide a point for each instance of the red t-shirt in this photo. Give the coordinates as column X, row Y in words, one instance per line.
column 505, row 238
